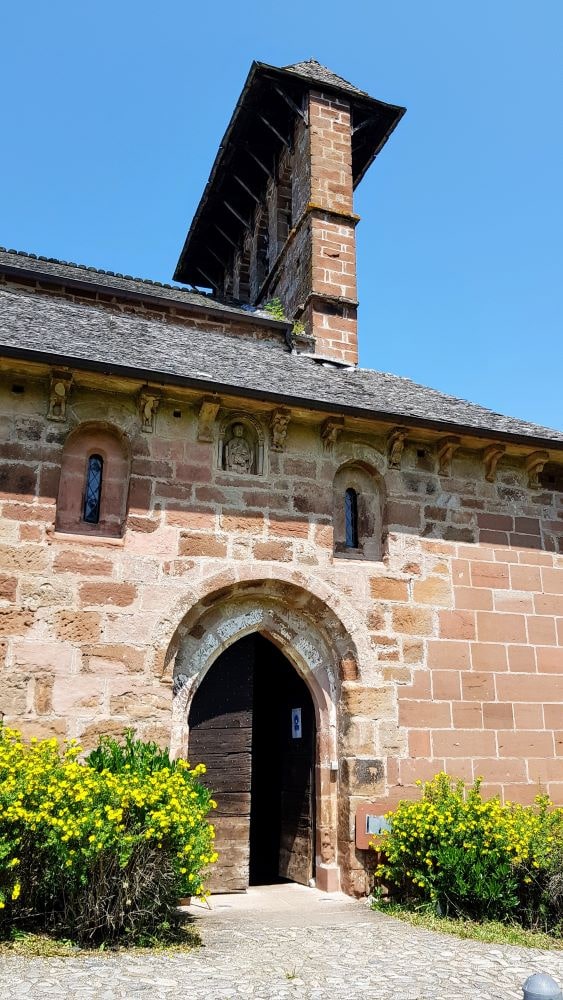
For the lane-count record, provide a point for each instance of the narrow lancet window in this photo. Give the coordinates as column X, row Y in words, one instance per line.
column 351, row 518
column 93, row 489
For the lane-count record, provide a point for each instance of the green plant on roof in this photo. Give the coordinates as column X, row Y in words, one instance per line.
column 275, row 309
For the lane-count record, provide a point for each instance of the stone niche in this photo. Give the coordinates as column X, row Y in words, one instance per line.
column 241, row 445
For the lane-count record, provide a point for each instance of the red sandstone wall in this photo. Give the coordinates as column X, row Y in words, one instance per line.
column 456, row 634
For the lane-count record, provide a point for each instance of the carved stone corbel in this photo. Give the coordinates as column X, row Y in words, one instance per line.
column 207, row 414
column 278, row 427
column 395, row 446
column 59, row 391
column 446, row 448
column 491, row 457
column 148, row 401
column 330, row 431
column 534, row 465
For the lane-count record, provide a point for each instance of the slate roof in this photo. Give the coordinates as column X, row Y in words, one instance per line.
column 314, row 71
column 57, row 331
column 17, row 262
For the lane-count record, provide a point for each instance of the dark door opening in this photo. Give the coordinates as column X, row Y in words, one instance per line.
column 252, row 723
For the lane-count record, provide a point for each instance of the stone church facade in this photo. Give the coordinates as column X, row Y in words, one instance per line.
column 190, row 482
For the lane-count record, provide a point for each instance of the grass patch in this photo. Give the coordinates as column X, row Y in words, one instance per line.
column 488, row 931
column 174, row 937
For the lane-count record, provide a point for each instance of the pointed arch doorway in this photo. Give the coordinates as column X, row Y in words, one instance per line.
column 252, row 722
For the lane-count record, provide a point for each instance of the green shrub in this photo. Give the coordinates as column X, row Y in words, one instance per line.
column 138, row 756
column 100, row 849
column 471, row 857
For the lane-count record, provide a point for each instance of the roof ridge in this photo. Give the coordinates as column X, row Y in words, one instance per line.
column 323, row 74
column 99, row 270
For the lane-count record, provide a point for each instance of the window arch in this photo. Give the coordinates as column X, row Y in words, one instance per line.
column 357, row 512
column 94, row 482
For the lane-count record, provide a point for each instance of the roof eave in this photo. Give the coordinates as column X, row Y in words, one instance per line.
column 204, row 385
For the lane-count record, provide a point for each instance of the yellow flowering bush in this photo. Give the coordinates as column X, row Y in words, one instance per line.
column 103, row 847
column 469, row 856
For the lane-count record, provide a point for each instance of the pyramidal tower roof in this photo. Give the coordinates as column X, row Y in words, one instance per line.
column 314, row 71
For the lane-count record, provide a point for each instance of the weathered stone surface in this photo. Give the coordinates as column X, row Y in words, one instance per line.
column 15, row 622
column 102, row 594
column 113, row 658
column 374, row 703
column 78, row 626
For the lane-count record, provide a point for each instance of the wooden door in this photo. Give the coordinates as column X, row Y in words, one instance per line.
column 297, row 791
column 220, row 724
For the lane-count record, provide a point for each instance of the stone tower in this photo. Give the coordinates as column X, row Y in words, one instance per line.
column 277, row 219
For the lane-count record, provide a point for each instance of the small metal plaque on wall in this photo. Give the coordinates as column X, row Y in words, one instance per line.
column 376, row 824
column 296, row 723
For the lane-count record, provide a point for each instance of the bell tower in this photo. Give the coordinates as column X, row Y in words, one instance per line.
column 276, row 219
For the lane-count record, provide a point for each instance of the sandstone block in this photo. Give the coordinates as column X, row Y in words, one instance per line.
column 457, row 624
column 360, row 737
column 478, row 686
column 446, row 685
column 40, row 729
column 467, row 715
column 433, row 714
column 39, row 657
column 363, row 775
column 493, row 627
column 246, row 523
column 78, row 626
column 79, row 695
column 273, row 550
column 43, row 695
column 449, row 655
column 116, row 594
column 293, row 528
column 8, row 586
column 413, row 651
column 523, row 745
column 15, row 621
column 23, row 558
column 419, row 743
column 88, row 735
column 374, row 703
column 412, row 621
column 488, row 574
column 197, row 544
column 113, row 658
column 138, row 702
column 435, row 590
column 13, row 695
column 389, row 589
column 37, row 594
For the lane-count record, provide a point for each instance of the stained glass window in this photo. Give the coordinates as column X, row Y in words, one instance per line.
column 351, row 518
column 93, row 489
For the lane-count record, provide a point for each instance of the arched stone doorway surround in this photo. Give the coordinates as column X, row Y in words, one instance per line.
column 315, row 629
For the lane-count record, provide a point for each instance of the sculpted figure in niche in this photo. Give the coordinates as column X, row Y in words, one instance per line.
column 238, row 453
column 58, row 396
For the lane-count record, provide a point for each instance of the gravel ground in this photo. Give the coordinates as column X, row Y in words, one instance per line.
column 290, row 942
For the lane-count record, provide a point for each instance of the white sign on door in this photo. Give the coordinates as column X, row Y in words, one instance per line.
column 296, row 723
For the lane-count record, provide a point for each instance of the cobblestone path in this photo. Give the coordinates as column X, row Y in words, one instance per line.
column 290, row 942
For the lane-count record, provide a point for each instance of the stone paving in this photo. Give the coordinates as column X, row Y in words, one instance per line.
column 285, row 942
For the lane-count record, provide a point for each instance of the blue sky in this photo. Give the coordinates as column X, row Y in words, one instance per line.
column 112, row 114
